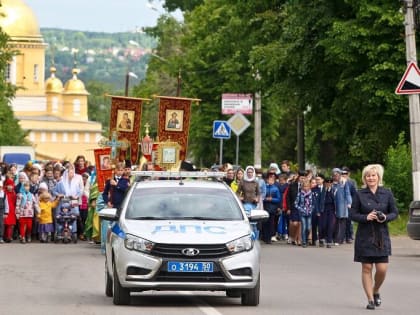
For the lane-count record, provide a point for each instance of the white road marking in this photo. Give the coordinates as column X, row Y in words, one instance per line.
column 203, row 306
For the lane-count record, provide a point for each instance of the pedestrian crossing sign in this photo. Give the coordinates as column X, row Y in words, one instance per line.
column 221, row 129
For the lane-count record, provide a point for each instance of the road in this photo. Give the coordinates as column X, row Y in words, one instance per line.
column 69, row 279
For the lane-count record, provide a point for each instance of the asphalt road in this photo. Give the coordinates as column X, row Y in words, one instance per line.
column 69, row 279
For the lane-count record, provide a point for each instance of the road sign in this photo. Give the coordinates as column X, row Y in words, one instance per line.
column 236, row 103
column 221, row 129
column 410, row 82
column 238, row 123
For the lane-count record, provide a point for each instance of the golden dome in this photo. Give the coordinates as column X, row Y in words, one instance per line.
column 74, row 85
column 19, row 22
column 53, row 84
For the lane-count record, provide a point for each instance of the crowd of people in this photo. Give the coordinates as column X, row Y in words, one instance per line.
column 32, row 200
column 304, row 208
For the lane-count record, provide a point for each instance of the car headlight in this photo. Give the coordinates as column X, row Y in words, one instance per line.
column 139, row 244
column 241, row 244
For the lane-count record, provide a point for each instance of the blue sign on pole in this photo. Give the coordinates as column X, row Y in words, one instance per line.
column 221, row 129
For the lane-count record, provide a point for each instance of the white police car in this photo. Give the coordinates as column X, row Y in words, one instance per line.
column 182, row 234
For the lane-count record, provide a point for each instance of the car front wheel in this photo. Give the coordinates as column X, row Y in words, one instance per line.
column 251, row 297
column 121, row 295
column 108, row 282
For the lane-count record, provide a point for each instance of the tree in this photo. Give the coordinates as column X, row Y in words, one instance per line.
column 337, row 62
column 183, row 5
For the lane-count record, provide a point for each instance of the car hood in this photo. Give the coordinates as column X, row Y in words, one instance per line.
column 188, row 231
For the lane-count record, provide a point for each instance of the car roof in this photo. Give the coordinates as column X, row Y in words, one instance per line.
column 190, row 184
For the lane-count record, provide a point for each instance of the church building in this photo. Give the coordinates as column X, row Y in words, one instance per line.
column 55, row 115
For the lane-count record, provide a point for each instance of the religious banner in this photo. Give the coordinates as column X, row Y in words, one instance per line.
column 125, row 123
column 103, row 166
column 174, row 121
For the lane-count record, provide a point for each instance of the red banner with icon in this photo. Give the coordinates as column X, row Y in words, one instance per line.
column 104, row 167
column 174, row 121
column 126, row 121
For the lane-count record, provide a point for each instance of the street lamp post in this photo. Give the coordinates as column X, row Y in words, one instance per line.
column 127, row 80
column 257, row 124
column 179, row 78
column 129, row 73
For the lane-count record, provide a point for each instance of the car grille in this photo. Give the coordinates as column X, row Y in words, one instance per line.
column 175, row 251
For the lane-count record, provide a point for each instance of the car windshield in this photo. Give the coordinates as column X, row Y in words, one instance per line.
column 182, row 204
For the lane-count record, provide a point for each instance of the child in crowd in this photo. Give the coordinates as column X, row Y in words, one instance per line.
column 305, row 204
column 10, row 220
column 4, row 210
column 64, row 214
column 45, row 216
column 26, row 207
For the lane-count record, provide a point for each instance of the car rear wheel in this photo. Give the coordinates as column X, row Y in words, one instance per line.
column 108, row 282
column 251, row 297
column 121, row 295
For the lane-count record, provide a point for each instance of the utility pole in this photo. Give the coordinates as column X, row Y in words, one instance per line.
column 178, row 87
column 257, row 122
column 127, row 80
column 257, row 130
column 301, row 141
column 413, row 99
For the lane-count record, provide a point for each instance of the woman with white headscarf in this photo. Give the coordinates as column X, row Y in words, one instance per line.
column 70, row 187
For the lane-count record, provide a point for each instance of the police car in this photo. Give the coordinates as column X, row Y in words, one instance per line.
column 182, row 234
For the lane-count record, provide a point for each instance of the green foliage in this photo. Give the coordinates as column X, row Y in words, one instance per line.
column 398, row 227
column 100, row 56
column 99, row 104
column 183, row 5
column 398, row 174
column 10, row 131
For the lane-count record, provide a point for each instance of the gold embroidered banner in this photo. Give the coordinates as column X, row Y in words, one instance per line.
column 103, row 166
column 125, row 120
column 174, row 121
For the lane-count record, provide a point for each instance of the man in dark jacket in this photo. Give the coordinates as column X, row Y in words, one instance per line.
column 116, row 187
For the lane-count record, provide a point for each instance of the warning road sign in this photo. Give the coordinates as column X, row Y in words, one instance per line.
column 410, row 82
column 221, row 129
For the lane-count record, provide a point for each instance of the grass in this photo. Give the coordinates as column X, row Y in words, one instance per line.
column 398, row 227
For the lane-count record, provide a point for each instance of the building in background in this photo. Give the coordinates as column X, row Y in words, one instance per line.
column 55, row 115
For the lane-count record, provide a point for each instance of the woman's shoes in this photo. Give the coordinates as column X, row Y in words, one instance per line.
column 371, row 305
column 377, row 299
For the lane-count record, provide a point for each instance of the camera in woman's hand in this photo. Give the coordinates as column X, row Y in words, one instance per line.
column 380, row 215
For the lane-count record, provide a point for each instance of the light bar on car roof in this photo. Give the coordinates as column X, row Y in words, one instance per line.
column 177, row 174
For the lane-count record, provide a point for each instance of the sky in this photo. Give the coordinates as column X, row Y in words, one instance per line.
column 97, row 15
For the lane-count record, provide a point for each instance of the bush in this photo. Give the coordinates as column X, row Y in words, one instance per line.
column 398, row 173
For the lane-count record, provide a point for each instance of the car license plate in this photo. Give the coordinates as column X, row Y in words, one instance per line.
column 196, row 266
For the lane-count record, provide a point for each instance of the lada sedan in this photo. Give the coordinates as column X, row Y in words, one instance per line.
column 182, row 234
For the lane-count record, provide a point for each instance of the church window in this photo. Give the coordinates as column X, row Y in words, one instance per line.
column 43, row 137
column 76, row 107
column 36, row 72
column 75, row 137
column 87, row 137
column 54, row 107
column 65, row 137
column 32, row 136
column 54, row 137
column 9, row 73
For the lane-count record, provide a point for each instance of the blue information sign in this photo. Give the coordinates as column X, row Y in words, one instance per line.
column 221, row 129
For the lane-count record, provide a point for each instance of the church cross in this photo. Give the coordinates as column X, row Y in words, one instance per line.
column 114, row 144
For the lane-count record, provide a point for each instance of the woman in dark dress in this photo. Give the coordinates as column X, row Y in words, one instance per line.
column 373, row 207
